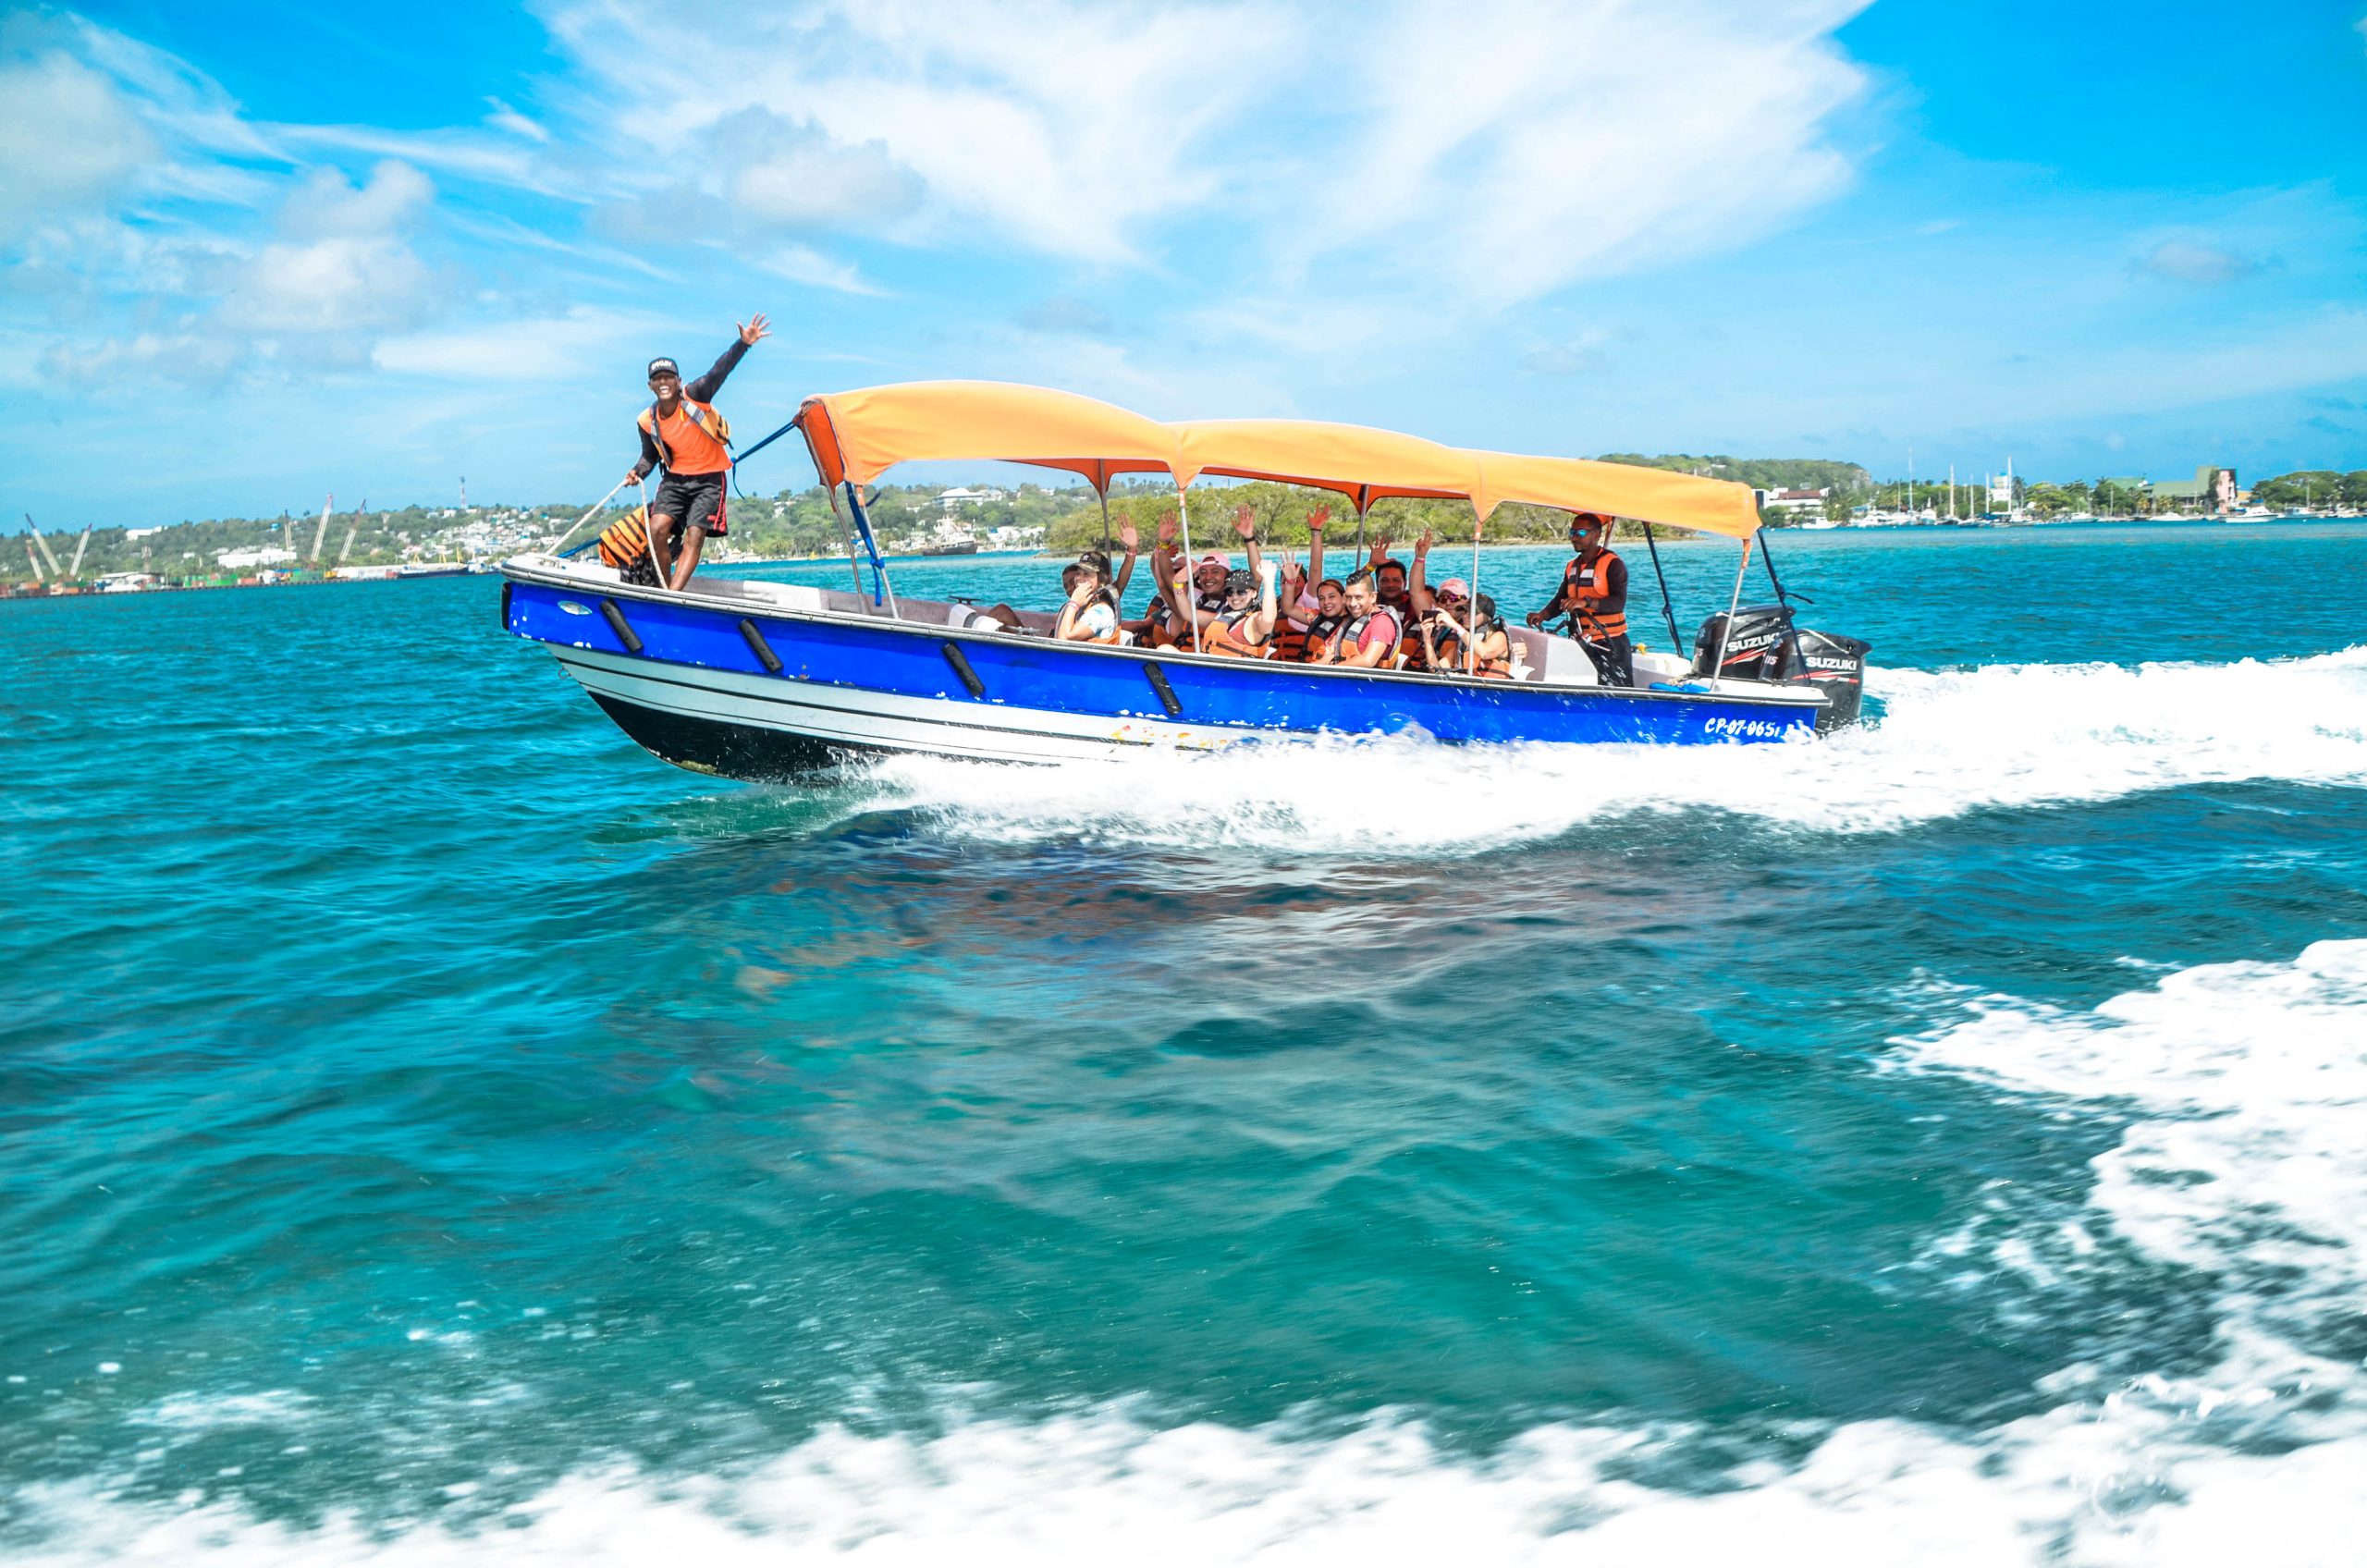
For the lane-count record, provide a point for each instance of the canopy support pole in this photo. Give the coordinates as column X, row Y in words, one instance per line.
column 1726, row 631
column 1105, row 518
column 1792, row 632
column 1668, row 610
column 1471, row 607
column 1191, row 605
column 881, row 585
column 846, row 532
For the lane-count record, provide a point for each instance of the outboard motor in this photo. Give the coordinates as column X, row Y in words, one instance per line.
column 1763, row 644
column 1750, row 647
column 1834, row 666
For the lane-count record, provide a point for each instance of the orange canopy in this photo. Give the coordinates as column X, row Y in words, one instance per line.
column 1647, row 494
column 857, row 436
column 1359, row 462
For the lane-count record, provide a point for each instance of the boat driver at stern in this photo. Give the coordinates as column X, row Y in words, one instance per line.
column 683, row 434
column 1594, row 595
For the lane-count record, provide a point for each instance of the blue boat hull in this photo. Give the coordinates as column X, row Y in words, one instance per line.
column 747, row 688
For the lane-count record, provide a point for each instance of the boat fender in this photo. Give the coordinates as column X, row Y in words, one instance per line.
column 1166, row 693
column 961, row 663
column 758, row 646
column 621, row 626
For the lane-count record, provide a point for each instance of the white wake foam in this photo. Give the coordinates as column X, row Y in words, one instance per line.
column 2004, row 735
column 2243, row 1154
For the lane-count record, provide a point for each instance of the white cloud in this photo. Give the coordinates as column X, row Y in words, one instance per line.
column 2189, row 261
column 793, row 175
column 504, row 117
column 800, row 264
column 580, row 345
column 342, row 263
column 68, row 140
column 1411, row 163
column 1059, row 127
column 1516, row 146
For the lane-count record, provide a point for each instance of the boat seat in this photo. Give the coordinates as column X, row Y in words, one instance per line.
column 1556, row 661
column 1663, row 668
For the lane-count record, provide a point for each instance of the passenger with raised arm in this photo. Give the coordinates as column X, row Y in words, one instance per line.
column 683, row 434
column 1369, row 638
column 1388, row 579
column 1245, row 628
column 1420, row 604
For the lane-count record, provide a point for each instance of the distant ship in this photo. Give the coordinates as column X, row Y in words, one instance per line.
column 951, row 547
column 435, row 569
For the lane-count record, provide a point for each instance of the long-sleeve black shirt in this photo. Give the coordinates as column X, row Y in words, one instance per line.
column 702, row 390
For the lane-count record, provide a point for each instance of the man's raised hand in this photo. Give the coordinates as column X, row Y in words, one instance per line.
column 1128, row 537
column 1167, row 530
column 1245, row 521
column 757, row 327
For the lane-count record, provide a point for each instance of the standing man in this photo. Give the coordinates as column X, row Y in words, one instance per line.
column 683, row 434
column 1594, row 592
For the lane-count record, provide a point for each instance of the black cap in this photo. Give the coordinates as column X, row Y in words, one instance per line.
column 1238, row 581
column 662, row 362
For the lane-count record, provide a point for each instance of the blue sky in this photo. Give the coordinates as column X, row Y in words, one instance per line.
column 260, row 252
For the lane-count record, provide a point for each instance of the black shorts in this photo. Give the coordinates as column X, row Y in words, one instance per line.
column 694, row 500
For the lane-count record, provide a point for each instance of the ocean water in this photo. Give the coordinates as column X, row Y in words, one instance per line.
column 431, row 1131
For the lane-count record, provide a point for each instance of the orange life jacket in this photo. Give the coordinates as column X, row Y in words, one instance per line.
column 1290, row 640
column 1351, row 634
column 1316, row 641
column 626, row 540
column 1585, row 584
column 1450, row 654
column 1229, row 636
column 693, row 439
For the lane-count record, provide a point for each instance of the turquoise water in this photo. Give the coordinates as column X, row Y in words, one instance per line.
column 432, row 1131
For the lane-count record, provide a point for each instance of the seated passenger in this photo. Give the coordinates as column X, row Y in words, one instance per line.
column 1158, row 628
column 1447, row 639
column 1368, row 639
column 1389, row 580
column 1309, row 619
column 1245, row 628
column 1089, row 616
column 1438, row 610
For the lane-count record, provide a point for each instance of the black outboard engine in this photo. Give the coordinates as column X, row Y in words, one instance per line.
column 1763, row 644
column 1749, row 648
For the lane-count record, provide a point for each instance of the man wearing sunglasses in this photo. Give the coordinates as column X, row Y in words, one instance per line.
column 1594, row 595
column 683, row 434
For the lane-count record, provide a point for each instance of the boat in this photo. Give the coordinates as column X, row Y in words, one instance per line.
column 756, row 679
column 434, row 568
column 950, row 547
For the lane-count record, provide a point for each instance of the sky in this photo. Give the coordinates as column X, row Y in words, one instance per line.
column 259, row 254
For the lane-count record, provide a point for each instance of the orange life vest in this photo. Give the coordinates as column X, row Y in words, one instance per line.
column 693, row 439
column 626, row 540
column 1585, row 584
column 1290, row 640
column 1451, row 656
column 1228, row 637
column 1351, row 634
column 1316, row 641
